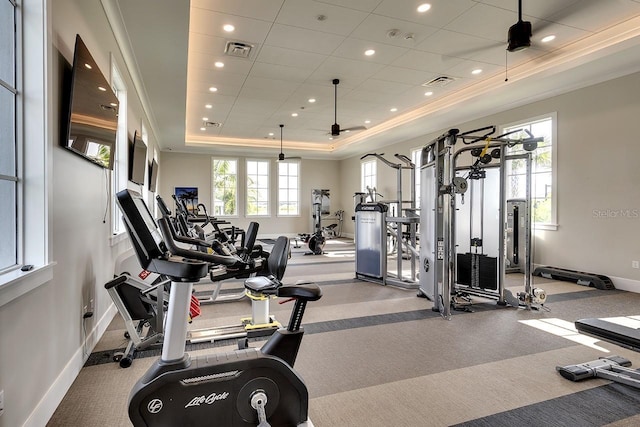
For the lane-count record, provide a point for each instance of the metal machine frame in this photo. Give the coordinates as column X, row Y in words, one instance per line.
column 439, row 186
column 392, row 225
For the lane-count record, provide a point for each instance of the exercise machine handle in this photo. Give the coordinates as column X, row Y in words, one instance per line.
column 187, row 253
column 382, row 159
column 405, row 159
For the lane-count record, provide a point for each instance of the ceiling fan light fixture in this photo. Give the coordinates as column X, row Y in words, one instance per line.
column 281, row 155
column 519, row 36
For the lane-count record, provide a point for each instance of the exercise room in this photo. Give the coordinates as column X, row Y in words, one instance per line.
column 319, row 213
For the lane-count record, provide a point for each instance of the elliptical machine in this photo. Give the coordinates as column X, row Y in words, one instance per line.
column 241, row 388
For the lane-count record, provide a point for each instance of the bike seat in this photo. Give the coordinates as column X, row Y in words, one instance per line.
column 305, row 291
column 262, row 284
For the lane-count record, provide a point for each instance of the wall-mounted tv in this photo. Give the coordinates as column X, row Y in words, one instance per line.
column 137, row 159
column 93, row 111
column 153, row 175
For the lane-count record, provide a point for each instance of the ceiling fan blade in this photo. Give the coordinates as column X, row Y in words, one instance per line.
column 354, row 128
column 470, row 53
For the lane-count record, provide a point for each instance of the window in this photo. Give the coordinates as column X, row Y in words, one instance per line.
column 9, row 143
column 25, row 88
column 225, row 187
column 288, row 188
column 543, row 170
column 368, row 175
column 257, row 187
column 416, row 158
column 120, row 164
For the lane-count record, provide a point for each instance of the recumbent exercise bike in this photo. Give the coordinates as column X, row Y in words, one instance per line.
column 241, row 388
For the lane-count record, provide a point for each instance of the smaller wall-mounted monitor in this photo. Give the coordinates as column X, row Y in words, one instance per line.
column 153, row 175
column 137, row 159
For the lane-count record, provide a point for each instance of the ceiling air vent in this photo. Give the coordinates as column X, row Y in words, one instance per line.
column 212, row 124
column 238, row 49
column 439, row 81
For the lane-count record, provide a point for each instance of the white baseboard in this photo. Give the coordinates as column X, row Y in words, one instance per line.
column 52, row 398
column 624, row 284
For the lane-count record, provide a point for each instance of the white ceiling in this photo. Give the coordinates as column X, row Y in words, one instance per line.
column 296, row 55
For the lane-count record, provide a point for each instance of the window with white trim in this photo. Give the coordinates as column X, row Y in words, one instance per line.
column 225, row 187
column 120, row 164
column 257, row 188
column 288, row 188
column 368, row 175
column 543, row 169
column 9, row 141
column 25, row 87
column 416, row 158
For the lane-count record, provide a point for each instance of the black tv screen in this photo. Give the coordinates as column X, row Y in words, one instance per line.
column 93, row 111
column 153, row 175
column 137, row 159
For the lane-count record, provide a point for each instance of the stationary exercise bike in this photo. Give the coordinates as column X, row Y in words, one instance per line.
column 246, row 387
column 317, row 239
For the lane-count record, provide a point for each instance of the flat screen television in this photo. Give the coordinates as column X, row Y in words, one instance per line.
column 137, row 159
column 153, row 175
column 93, row 111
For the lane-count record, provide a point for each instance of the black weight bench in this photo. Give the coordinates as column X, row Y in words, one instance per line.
column 614, row 368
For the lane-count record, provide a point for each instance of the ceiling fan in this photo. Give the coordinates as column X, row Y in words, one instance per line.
column 281, row 156
column 335, row 127
column 519, row 35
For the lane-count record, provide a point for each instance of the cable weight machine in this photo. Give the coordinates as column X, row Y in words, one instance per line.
column 441, row 278
column 373, row 225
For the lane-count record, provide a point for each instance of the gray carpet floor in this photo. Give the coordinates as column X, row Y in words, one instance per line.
column 377, row 355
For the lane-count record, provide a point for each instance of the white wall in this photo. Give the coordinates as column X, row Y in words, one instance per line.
column 194, row 170
column 42, row 340
column 597, row 177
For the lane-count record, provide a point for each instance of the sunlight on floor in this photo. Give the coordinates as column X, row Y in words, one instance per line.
column 338, row 242
column 564, row 329
column 340, row 254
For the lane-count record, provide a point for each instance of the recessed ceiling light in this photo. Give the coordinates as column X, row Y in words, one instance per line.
column 209, row 106
column 312, row 100
column 203, row 128
column 88, row 66
column 205, row 118
column 113, row 104
column 393, row 110
column 346, row 131
column 369, row 52
column 228, row 28
column 102, row 89
column 219, row 64
column 294, row 114
column 476, row 71
column 270, row 133
column 428, row 93
column 331, row 137
column 424, row 7
column 548, row 38
column 366, row 122
column 213, row 89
